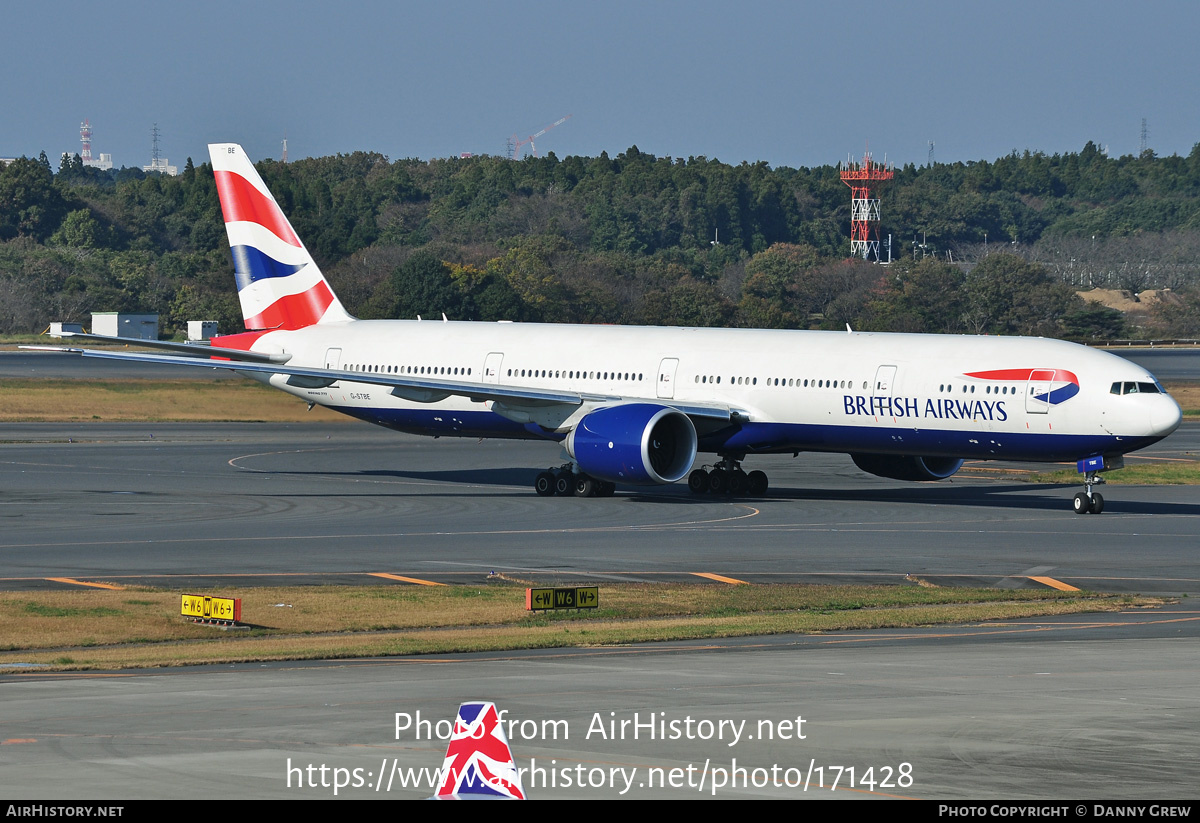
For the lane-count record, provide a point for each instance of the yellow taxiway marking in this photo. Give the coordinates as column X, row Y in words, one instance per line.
column 14, row 740
column 404, row 579
column 74, row 582
column 1054, row 584
column 731, row 580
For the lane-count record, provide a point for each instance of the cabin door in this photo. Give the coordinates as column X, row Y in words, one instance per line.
column 666, row 377
column 1037, row 391
column 885, row 376
column 881, row 391
column 491, row 367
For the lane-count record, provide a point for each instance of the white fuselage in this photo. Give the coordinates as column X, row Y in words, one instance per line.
column 930, row 395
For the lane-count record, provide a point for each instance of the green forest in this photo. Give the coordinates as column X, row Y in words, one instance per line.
column 997, row 247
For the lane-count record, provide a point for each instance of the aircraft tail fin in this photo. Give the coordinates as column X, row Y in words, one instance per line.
column 279, row 284
column 479, row 764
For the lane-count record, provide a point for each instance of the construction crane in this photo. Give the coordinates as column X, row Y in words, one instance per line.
column 515, row 144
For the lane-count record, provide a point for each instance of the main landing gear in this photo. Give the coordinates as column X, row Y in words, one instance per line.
column 727, row 477
column 1089, row 502
column 564, row 482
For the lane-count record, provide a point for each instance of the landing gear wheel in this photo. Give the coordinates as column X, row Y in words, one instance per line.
column 585, row 486
column 737, row 482
column 543, row 484
column 728, row 477
column 1090, row 502
column 717, row 481
column 756, row 483
column 564, row 484
column 698, row 481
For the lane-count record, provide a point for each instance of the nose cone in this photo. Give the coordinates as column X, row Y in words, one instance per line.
column 1165, row 416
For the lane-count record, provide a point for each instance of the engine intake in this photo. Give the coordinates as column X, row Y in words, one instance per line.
column 899, row 467
column 634, row 443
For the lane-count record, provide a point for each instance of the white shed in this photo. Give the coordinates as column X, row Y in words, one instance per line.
column 119, row 324
column 201, row 329
column 56, row 329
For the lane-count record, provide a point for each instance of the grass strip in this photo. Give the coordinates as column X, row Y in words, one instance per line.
column 68, row 630
column 1154, row 474
column 25, row 400
column 1187, row 395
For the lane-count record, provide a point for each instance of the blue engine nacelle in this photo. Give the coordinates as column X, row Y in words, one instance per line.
column 634, row 443
column 899, row 467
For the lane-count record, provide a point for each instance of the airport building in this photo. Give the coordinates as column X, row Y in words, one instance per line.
column 120, row 324
column 201, row 329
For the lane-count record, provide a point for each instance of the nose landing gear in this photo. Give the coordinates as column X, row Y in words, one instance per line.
column 1089, row 502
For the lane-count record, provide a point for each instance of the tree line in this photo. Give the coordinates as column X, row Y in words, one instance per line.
column 634, row 238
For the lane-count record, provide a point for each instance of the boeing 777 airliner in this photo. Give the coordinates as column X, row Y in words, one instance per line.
column 637, row 405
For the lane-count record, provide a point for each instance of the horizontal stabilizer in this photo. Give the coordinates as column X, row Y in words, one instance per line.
column 198, row 350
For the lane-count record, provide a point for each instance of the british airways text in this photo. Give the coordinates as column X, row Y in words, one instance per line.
column 940, row 409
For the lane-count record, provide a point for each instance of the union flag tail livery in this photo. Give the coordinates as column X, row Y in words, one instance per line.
column 279, row 284
column 479, row 763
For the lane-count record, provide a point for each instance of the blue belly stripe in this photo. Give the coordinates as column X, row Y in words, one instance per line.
column 767, row 438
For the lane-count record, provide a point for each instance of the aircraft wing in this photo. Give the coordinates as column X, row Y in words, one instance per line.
column 406, row 387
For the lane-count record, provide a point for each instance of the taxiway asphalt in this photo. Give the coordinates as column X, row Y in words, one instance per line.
column 1065, row 708
column 1078, row 708
column 191, row 504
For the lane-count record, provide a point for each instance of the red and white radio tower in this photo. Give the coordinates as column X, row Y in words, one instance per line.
column 85, row 137
column 864, row 209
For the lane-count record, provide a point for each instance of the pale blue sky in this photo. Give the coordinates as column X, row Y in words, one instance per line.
column 790, row 83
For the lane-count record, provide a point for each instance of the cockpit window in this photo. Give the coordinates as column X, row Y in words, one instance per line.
column 1130, row 387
